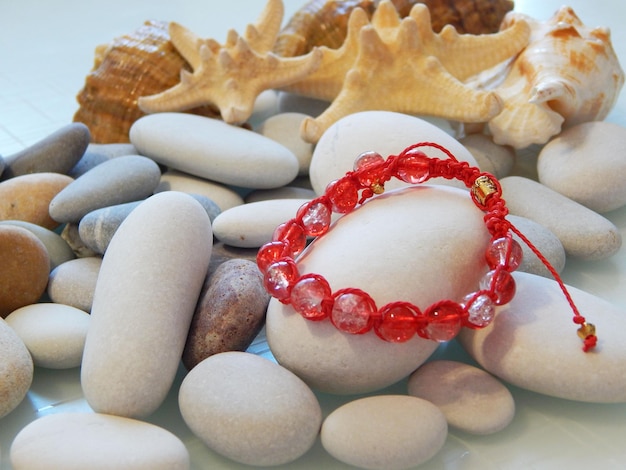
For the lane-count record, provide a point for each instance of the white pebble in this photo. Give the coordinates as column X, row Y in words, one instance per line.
column 250, row 409
column 284, row 128
column 471, row 399
column 74, row 282
column 53, row 333
column 16, row 369
column 386, row 431
column 77, row 441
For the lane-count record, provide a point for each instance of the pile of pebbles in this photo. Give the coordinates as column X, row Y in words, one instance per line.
column 124, row 259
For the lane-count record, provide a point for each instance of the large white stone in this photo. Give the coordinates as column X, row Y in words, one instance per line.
column 146, row 293
column 250, row 409
column 77, row 441
column 212, row 149
column 385, row 132
column 421, row 245
column 533, row 343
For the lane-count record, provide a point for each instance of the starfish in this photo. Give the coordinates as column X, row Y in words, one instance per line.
column 402, row 65
column 232, row 75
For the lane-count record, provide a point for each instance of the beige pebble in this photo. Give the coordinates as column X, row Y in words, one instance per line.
column 586, row 163
column 53, row 333
column 230, row 312
column 77, row 441
column 533, row 343
column 379, row 248
column 491, row 157
column 471, row 399
column 284, row 128
column 385, row 432
column 286, row 192
column 16, row 369
column 147, row 289
column 584, row 233
column 74, row 282
column 24, row 268
column 250, row 409
column 28, row 197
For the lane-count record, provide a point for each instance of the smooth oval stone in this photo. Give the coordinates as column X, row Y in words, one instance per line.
column 123, row 179
column 28, row 197
column 56, row 153
column 491, row 157
column 223, row 196
column 58, row 250
column 584, row 233
column 230, row 312
column 250, row 409
column 286, row 192
column 16, row 369
column 212, row 149
column 24, row 268
column 76, row 441
column 53, row 333
column 253, row 224
column 386, row 431
column 284, row 128
column 147, row 289
column 533, row 344
column 74, row 282
column 100, row 153
column 586, row 164
column 544, row 240
column 222, row 253
column 385, row 132
column 265, row 106
column 471, row 399
column 291, row 102
column 386, row 248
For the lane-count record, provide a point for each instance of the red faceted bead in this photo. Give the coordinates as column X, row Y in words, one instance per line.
column 311, row 297
column 413, row 166
column 501, row 283
column 343, row 194
column 369, row 166
column 315, row 216
column 292, row 233
column 398, row 323
column 272, row 252
column 504, row 252
column 352, row 311
column 444, row 321
column 279, row 277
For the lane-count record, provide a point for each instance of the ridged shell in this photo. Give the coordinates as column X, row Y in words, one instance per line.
column 568, row 74
column 324, row 22
column 143, row 62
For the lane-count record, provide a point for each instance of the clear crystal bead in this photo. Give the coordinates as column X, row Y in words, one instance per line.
column 481, row 310
column 352, row 312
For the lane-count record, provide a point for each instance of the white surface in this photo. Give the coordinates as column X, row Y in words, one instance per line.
column 46, row 49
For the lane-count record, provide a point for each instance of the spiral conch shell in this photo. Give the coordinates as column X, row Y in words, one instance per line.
column 325, row 22
column 141, row 63
column 568, row 74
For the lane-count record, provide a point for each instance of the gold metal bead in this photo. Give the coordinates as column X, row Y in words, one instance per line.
column 377, row 188
column 483, row 187
column 586, row 329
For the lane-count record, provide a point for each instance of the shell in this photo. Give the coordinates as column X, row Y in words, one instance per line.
column 325, row 22
column 568, row 74
column 141, row 63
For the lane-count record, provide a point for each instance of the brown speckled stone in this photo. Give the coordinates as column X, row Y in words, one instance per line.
column 230, row 312
column 27, row 197
column 24, row 268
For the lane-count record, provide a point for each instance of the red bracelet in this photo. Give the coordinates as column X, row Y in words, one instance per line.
column 352, row 310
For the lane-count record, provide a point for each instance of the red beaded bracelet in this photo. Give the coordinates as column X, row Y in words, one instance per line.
column 352, row 310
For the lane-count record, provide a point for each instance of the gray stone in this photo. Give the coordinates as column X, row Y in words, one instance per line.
column 284, row 128
column 286, row 192
column 100, row 153
column 491, row 157
column 56, row 153
column 250, row 409
column 123, row 179
column 584, row 233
